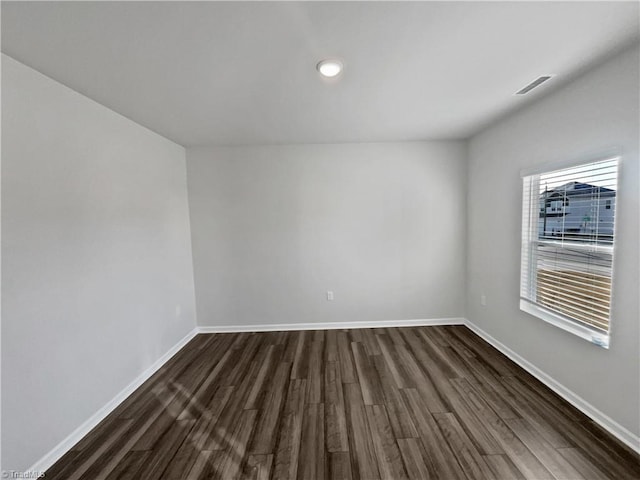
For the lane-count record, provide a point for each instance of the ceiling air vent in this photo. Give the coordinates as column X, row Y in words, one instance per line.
column 536, row 83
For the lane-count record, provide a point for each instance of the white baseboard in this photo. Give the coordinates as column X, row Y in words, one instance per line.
column 282, row 327
column 621, row 433
column 65, row 445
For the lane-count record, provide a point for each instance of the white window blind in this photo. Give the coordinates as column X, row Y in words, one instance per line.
column 568, row 226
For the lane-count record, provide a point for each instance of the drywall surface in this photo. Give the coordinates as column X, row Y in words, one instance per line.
column 97, row 278
column 380, row 225
column 595, row 113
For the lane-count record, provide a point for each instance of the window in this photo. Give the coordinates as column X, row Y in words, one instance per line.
column 567, row 253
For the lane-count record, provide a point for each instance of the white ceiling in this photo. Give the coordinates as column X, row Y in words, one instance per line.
column 225, row 73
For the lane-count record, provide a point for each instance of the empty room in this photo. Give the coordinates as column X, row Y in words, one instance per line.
column 320, row 240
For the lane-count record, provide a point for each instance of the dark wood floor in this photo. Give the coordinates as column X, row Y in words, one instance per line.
column 396, row 403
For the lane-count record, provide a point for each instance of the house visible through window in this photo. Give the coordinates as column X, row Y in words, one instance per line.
column 568, row 225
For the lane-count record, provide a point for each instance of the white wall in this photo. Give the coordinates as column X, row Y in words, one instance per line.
column 96, row 257
column 382, row 225
column 595, row 112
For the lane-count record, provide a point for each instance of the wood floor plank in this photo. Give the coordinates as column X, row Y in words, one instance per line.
column 503, row 467
column 216, row 356
column 387, row 452
column 96, row 456
column 241, row 339
column 201, row 437
column 266, row 432
column 603, row 456
column 433, row 369
column 482, row 371
column 243, row 358
column 288, row 449
column 228, row 417
column 581, row 463
column 449, row 364
column 165, row 419
column 291, row 346
column 491, row 393
column 129, row 466
column 573, row 431
column 356, row 335
column 81, row 460
column 449, row 333
column 396, row 336
column 331, row 349
column 367, row 375
column 471, row 395
column 617, row 451
column 187, row 355
column 522, row 405
column 264, row 376
column 400, row 419
column 363, row 455
column 414, row 460
column 312, row 460
column 439, row 455
column 315, row 377
column 389, row 351
column 205, row 433
column 66, row 463
column 184, row 400
column 336, row 417
column 183, row 461
column 122, row 447
column 514, row 448
column 347, row 370
column 301, row 357
column 549, row 397
column 550, row 458
column 469, row 416
column 422, row 356
column 258, row 467
column 370, row 341
column 485, row 352
column 468, row 456
column 438, row 335
column 339, row 466
column 231, row 461
column 202, row 396
column 161, row 456
column 530, row 466
column 203, row 467
column 422, row 382
column 418, row 403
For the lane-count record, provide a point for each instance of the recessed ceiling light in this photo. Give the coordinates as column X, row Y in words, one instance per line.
column 329, row 68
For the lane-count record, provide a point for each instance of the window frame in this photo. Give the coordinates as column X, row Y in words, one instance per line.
column 530, row 220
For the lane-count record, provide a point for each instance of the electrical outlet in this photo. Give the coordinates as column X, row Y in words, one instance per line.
column 178, row 310
column 329, row 295
column 483, row 300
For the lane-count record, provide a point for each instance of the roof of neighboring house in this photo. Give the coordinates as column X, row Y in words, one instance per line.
column 579, row 188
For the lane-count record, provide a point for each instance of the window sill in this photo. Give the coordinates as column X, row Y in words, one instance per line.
column 597, row 338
